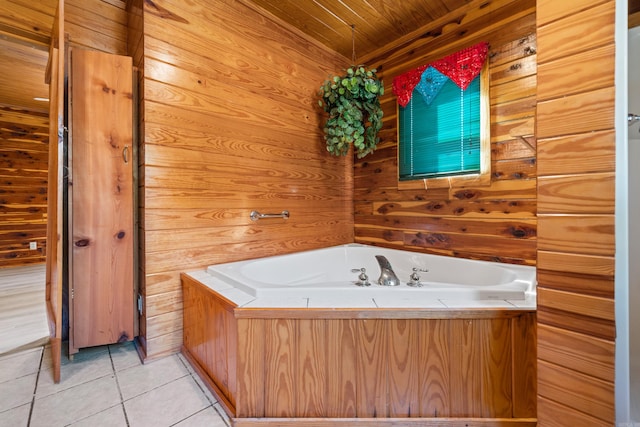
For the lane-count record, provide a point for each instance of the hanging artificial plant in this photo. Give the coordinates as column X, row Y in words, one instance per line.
column 355, row 116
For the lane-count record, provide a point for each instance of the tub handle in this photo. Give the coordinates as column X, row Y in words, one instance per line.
column 363, row 279
column 414, row 279
column 255, row 215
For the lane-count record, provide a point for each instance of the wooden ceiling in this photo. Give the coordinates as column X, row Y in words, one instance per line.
column 342, row 25
column 373, row 23
column 25, row 28
column 345, row 26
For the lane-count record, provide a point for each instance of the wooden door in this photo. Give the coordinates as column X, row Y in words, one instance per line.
column 55, row 77
column 101, row 199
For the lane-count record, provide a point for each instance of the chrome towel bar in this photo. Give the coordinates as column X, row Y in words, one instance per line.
column 255, row 215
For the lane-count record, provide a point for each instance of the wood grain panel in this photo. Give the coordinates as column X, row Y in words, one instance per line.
column 466, row 368
column 97, row 25
column 372, row 343
column 435, row 398
column 513, row 90
column 467, row 222
column 577, row 234
column 549, row 10
column 574, row 390
column 586, row 71
column 584, row 112
column 162, row 282
column 553, row 414
column 251, row 370
column 343, row 357
column 587, row 325
column 24, row 159
column 577, row 194
column 602, row 286
column 232, row 354
column 280, row 368
column 231, row 132
column 411, row 422
column 520, row 109
column 577, row 32
column 524, row 332
column 404, row 368
column 312, row 369
column 576, row 263
column 497, row 387
column 596, row 151
column 23, row 66
column 584, row 354
column 585, row 305
column 28, row 22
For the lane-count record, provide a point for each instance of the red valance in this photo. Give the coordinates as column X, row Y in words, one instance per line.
column 461, row 67
column 404, row 84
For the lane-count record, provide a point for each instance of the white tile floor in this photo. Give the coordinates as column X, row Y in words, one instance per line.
column 104, row 386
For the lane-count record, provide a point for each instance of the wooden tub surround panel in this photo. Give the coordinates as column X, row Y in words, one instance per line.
column 322, row 366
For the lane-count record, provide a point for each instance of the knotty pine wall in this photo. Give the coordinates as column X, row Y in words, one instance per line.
column 576, row 198
column 495, row 222
column 204, row 65
column 552, row 128
column 228, row 97
column 97, row 25
column 24, row 138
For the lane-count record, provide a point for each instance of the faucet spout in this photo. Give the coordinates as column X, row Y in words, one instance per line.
column 387, row 275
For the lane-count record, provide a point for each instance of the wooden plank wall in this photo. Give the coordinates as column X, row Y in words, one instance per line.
column 230, row 125
column 24, row 138
column 495, row 222
column 97, row 25
column 24, row 130
column 576, row 197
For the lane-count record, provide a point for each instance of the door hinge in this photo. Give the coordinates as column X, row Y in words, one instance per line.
column 71, row 293
column 139, row 304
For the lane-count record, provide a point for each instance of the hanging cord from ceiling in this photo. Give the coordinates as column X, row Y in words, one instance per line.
column 353, row 44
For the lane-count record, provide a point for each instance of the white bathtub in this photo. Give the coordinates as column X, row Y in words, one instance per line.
column 326, row 274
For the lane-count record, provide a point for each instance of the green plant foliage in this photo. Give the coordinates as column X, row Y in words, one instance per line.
column 355, row 116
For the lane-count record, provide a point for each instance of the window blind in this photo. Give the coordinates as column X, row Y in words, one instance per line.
column 442, row 138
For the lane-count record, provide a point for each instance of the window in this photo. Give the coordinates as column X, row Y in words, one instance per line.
column 443, row 129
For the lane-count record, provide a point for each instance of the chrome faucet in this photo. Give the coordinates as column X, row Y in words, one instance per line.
column 387, row 276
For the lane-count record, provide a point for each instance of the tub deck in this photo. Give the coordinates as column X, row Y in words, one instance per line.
column 374, row 366
column 348, row 296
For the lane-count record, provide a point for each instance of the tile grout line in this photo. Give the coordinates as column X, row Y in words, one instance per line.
column 35, row 388
column 192, row 374
column 113, row 367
